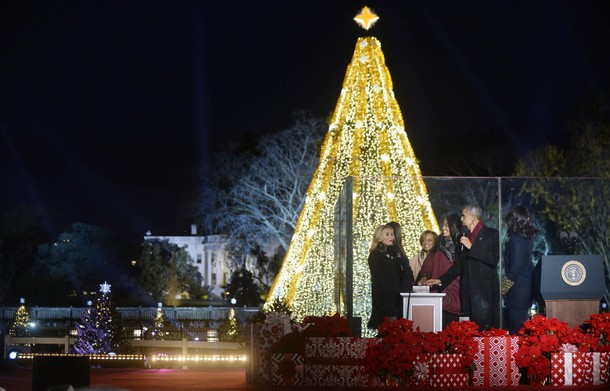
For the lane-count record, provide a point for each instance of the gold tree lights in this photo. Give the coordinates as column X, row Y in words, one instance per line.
column 366, row 140
column 19, row 328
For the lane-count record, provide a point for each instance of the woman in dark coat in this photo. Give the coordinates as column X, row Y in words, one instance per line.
column 388, row 276
column 518, row 266
column 404, row 269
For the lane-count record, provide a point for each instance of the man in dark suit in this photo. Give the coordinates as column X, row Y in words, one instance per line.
column 478, row 268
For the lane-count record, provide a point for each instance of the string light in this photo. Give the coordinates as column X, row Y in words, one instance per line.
column 200, row 358
column 105, row 357
column 366, row 140
column 140, row 357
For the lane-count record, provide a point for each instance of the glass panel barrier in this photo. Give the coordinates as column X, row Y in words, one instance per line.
column 571, row 215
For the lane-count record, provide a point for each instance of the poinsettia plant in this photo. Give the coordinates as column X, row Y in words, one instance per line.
column 493, row 332
column 326, row 326
column 597, row 332
column 458, row 337
column 292, row 342
column 395, row 354
column 538, row 338
column 400, row 353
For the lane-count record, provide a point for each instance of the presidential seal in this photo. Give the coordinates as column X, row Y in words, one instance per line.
column 573, row 273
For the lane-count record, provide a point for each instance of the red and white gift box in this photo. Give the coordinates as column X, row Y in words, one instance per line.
column 336, row 361
column 446, row 363
column 259, row 340
column 494, row 361
column 449, row 380
column 350, row 348
column 324, row 375
column 287, row 369
column 579, row 368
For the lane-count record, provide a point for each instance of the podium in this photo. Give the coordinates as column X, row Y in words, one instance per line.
column 572, row 286
column 424, row 309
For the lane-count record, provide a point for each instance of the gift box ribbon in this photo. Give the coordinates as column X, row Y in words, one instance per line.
column 567, row 365
column 596, row 369
column 487, row 363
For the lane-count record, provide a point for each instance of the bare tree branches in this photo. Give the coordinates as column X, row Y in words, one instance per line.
column 255, row 197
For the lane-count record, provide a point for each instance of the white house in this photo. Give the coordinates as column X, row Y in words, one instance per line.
column 208, row 254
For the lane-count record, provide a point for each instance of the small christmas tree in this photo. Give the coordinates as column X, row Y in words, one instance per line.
column 19, row 328
column 231, row 330
column 99, row 329
column 158, row 330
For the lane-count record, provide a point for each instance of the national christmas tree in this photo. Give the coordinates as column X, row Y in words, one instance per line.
column 367, row 141
column 19, row 328
column 99, row 329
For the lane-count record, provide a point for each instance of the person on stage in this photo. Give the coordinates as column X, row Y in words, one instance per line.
column 390, row 273
column 478, row 271
column 518, row 266
column 445, row 252
column 426, row 240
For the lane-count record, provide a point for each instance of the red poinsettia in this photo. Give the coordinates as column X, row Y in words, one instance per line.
column 326, row 326
column 493, row 332
column 458, row 337
column 597, row 332
column 539, row 337
column 293, row 342
column 400, row 352
column 394, row 355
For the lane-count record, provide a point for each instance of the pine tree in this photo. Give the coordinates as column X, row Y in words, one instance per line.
column 158, row 329
column 99, row 330
column 19, row 328
column 231, row 330
column 367, row 141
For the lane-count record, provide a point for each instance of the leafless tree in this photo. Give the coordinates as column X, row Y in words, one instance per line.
column 255, row 196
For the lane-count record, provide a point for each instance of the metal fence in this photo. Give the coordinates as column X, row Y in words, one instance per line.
column 191, row 315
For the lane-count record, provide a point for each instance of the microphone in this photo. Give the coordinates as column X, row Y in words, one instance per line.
column 463, row 231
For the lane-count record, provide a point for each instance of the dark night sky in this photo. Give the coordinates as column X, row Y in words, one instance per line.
column 108, row 109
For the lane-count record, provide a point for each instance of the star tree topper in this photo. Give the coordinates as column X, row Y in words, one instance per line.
column 366, row 18
column 105, row 288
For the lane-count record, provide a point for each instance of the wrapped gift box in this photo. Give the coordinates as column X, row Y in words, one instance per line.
column 494, row 361
column 601, row 370
column 337, row 348
column 449, row 380
column 579, row 368
column 323, row 375
column 336, row 361
column 287, row 369
column 446, row 363
column 259, row 339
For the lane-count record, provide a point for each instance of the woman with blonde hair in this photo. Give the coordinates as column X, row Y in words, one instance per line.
column 390, row 275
